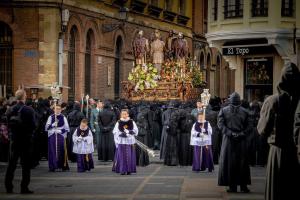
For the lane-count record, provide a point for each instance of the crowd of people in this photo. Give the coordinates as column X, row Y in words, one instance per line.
column 225, row 133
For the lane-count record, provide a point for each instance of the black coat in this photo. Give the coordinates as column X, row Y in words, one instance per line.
column 277, row 123
column 106, row 122
column 144, row 130
column 233, row 163
column 28, row 123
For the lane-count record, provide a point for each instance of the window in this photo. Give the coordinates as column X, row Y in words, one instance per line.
column 233, row 8
column 6, row 51
column 154, row 2
column 181, row 8
column 259, row 8
column 168, row 5
column 72, row 63
column 215, row 10
column 287, row 8
column 88, row 64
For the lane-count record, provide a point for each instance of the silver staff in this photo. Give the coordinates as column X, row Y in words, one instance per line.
column 145, row 148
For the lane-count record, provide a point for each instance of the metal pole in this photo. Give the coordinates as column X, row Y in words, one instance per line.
column 60, row 60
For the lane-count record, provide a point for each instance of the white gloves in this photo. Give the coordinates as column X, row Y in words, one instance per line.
column 126, row 131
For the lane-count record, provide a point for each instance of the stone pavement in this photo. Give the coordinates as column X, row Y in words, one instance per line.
column 152, row 182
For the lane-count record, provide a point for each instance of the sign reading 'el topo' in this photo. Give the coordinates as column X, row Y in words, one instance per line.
column 242, row 51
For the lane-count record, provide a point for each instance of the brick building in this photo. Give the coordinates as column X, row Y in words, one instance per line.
column 95, row 42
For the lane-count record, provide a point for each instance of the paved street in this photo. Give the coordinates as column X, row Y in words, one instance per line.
column 152, row 182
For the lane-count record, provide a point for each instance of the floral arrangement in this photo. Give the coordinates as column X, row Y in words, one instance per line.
column 170, row 71
column 197, row 78
column 143, row 77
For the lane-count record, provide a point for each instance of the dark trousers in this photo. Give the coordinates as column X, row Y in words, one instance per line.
column 22, row 150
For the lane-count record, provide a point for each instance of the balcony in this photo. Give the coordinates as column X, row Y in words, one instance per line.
column 138, row 6
column 183, row 20
column 169, row 16
column 154, row 11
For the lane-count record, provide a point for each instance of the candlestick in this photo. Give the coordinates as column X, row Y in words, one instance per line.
column 4, row 91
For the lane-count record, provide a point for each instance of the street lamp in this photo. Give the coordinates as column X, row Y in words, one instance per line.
column 123, row 11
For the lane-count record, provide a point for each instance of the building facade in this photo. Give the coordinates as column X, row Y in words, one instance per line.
column 257, row 38
column 87, row 44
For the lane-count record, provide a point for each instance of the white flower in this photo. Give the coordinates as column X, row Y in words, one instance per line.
column 147, row 84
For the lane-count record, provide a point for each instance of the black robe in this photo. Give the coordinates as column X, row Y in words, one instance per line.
column 106, row 121
column 74, row 118
column 144, row 129
column 171, row 149
column 297, row 130
column 154, row 122
column 186, row 122
column 212, row 117
column 277, row 123
column 165, row 122
column 233, row 164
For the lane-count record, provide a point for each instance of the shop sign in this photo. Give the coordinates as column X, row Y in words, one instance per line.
column 243, row 51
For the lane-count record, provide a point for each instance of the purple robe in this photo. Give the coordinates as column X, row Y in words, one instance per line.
column 203, row 158
column 85, row 162
column 125, row 159
column 57, row 152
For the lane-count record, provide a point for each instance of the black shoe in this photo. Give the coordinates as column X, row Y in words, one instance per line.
column 128, row 173
column 231, row 191
column 10, row 191
column 26, row 191
column 123, row 173
column 245, row 190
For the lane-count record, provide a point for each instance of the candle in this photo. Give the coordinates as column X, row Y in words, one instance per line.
column 0, row 91
column 133, row 65
column 4, row 91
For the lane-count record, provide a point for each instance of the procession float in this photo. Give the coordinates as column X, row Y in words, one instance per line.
column 163, row 70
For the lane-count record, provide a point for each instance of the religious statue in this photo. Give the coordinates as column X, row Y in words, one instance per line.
column 180, row 48
column 169, row 45
column 140, row 48
column 157, row 50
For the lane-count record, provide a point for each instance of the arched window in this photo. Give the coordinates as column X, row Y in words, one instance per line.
column 118, row 60
column 6, row 51
column 88, row 62
column 201, row 62
column 218, row 75
column 208, row 66
column 72, row 63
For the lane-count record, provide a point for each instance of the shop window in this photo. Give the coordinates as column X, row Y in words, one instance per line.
column 258, row 78
column 259, row 8
column 233, row 9
column 287, row 8
column 6, row 52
